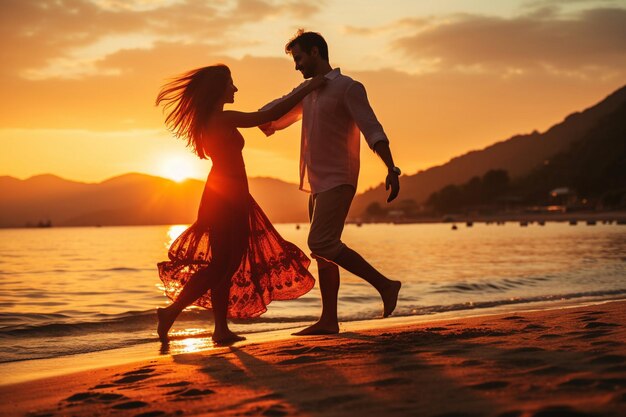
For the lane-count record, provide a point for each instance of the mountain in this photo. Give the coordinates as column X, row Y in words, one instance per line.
column 594, row 168
column 518, row 155
column 130, row 199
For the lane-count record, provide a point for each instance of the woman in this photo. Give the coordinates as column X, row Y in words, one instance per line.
column 231, row 259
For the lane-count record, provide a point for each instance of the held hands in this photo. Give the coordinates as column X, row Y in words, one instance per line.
column 393, row 182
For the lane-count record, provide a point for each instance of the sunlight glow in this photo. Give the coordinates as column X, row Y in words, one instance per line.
column 173, row 232
column 189, row 340
column 177, row 168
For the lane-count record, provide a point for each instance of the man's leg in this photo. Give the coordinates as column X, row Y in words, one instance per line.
column 330, row 210
column 329, row 288
column 388, row 289
column 323, row 229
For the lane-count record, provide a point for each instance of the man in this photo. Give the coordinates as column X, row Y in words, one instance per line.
column 332, row 119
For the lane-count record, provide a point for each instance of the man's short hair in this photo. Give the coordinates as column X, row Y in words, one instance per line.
column 306, row 41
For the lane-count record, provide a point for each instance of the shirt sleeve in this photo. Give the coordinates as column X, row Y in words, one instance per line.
column 362, row 113
column 288, row 119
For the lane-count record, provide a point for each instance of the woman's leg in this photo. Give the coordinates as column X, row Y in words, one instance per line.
column 219, row 299
column 198, row 285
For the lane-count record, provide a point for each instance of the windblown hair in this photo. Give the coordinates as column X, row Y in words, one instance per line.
column 190, row 99
column 306, row 41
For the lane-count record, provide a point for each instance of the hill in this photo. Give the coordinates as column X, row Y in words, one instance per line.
column 130, row 199
column 519, row 156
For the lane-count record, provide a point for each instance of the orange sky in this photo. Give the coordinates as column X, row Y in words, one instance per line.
column 79, row 77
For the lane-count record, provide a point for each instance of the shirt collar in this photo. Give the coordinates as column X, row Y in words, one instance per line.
column 333, row 74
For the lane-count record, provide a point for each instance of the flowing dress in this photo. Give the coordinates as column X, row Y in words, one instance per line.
column 232, row 230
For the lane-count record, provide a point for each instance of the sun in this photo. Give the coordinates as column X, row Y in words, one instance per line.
column 176, row 168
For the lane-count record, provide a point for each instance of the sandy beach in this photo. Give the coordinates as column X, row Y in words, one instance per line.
column 557, row 362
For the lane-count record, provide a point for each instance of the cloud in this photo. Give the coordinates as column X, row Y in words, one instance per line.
column 589, row 43
column 64, row 38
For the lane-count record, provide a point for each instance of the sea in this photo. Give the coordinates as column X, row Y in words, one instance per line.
column 71, row 291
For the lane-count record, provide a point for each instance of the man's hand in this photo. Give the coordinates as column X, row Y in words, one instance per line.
column 393, row 182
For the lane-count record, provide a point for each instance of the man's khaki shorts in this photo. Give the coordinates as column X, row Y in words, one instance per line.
column 327, row 213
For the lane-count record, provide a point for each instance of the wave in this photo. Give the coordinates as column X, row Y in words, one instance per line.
column 59, row 325
column 494, row 286
column 19, row 343
column 425, row 310
column 73, row 271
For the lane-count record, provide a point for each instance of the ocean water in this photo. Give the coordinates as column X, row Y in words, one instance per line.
column 66, row 291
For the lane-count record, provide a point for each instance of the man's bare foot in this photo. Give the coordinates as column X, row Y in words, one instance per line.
column 319, row 328
column 390, row 297
column 226, row 338
column 166, row 320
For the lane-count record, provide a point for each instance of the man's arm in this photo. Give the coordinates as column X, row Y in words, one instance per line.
column 363, row 115
column 274, row 112
column 288, row 119
column 382, row 150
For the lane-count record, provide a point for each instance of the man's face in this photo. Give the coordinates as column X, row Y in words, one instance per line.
column 305, row 63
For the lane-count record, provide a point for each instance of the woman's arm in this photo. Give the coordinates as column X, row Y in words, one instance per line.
column 242, row 119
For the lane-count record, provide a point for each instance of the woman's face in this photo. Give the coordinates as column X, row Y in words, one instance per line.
column 229, row 92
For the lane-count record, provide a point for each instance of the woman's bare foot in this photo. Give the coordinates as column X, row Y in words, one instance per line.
column 166, row 320
column 319, row 328
column 226, row 337
column 390, row 297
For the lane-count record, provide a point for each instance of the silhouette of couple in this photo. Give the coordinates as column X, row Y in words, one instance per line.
column 232, row 259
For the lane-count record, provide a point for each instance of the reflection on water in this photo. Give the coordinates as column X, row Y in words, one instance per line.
column 71, row 285
column 189, row 340
column 173, row 232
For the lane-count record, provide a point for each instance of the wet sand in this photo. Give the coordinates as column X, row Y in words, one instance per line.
column 559, row 362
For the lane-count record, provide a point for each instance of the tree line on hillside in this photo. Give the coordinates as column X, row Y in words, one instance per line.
column 590, row 175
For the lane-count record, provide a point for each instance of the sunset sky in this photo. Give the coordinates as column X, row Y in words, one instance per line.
column 79, row 77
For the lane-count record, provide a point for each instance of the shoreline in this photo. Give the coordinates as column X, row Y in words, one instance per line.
column 35, row 369
column 567, row 360
column 614, row 217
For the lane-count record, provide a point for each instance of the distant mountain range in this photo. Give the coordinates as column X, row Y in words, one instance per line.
column 131, row 199
column 139, row 199
column 519, row 155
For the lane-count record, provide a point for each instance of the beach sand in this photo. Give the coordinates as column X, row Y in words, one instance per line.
column 558, row 362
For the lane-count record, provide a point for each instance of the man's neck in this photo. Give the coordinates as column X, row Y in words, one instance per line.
column 323, row 69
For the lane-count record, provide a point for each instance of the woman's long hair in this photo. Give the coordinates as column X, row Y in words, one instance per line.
column 190, row 99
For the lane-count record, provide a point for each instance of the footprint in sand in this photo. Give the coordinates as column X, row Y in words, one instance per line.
column 129, row 405
column 535, row 327
column 514, row 413
column 471, row 362
column 134, row 376
column 560, row 411
column 455, row 414
column 390, row 381
column 329, row 402
column 155, row 413
column 608, row 360
column 174, row 384
column 94, row 397
column 410, row 367
column 594, row 334
column 550, row 370
column 190, row 394
column 616, row 369
column 550, row 336
column 578, row 383
column 270, row 396
column 301, row 350
column 610, row 343
column 596, row 324
column 275, row 410
column 299, row 360
column 491, row 385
